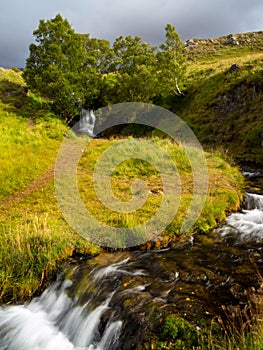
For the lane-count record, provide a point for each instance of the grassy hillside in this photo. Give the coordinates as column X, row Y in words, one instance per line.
column 223, row 94
column 34, row 236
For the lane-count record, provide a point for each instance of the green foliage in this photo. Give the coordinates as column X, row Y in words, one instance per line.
column 74, row 71
column 171, row 62
column 182, row 334
column 55, row 67
column 134, row 65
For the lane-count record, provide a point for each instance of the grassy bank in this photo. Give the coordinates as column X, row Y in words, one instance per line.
column 35, row 237
column 224, row 193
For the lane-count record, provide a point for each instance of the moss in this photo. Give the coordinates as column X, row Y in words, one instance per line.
column 179, row 332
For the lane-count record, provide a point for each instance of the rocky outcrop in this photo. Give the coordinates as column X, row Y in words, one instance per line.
column 245, row 39
column 230, row 40
column 236, row 99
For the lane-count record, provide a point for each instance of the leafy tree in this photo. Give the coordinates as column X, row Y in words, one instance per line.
column 56, row 66
column 134, row 65
column 98, row 59
column 171, row 62
column 142, row 72
column 74, row 71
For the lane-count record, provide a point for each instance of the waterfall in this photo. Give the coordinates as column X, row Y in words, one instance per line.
column 253, row 201
column 247, row 225
column 54, row 321
column 87, row 122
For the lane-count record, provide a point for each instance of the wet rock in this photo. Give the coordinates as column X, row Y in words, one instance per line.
column 237, row 99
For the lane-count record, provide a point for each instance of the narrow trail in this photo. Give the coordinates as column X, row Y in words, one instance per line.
column 40, row 182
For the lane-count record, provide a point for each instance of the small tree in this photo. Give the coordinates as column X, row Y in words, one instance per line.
column 171, row 62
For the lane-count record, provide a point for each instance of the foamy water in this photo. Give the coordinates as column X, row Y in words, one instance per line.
column 248, row 224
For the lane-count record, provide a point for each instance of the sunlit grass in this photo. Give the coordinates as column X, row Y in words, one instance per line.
column 35, row 239
column 224, row 194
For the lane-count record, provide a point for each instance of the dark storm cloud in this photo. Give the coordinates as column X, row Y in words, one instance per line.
column 111, row 18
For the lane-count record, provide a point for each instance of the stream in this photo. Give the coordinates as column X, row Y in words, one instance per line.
column 119, row 300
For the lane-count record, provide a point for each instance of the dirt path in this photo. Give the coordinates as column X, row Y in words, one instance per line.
column 34, row 186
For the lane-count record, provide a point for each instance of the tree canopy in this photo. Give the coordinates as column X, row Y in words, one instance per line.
column 73, row 70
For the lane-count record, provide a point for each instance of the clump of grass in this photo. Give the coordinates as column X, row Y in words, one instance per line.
column 35, row 239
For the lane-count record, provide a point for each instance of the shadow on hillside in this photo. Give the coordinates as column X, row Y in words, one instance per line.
column 224, row 110
column 14, row 97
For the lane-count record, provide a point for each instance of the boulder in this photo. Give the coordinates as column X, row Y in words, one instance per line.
column 191, row 43
column 230, row 40
column 234, row 67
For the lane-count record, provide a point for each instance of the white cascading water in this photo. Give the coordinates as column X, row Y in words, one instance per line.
column 87, row 122
column 247, row 225
column 58, row 321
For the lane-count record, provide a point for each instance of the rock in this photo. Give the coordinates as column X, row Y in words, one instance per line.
column 230, row 40
column 18, row 105
column 234, row 67
column 191, row 43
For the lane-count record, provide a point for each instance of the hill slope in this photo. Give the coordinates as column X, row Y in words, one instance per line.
column 223, row 95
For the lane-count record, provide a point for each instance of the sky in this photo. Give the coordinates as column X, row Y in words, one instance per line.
column 109, row 19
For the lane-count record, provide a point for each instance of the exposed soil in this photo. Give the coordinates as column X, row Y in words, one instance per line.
column 34, row 186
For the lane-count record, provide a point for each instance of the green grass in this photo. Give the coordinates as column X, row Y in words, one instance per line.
column 225, row 109
column 225, row 187
column 34, row 236
column 29, row 136
column 35, row 239
column 26, row 152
